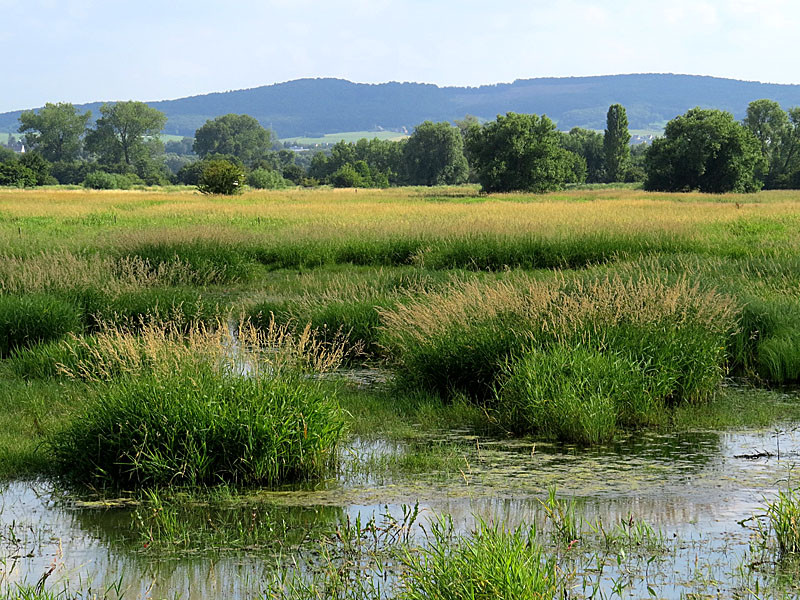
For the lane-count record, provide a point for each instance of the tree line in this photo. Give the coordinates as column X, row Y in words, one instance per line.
column 704, row 149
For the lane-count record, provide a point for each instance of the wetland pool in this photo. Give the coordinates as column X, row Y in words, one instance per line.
column 696, row 489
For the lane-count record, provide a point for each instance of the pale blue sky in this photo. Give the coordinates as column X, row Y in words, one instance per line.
column 85, row 50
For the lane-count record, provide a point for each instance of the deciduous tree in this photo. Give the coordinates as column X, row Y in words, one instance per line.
column 127, row 131
column 241, row 136
column 705, row 150
column 434, row 155
column 519, row 152
column 55, row 131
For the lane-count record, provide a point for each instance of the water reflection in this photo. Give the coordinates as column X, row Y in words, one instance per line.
column 693, row 485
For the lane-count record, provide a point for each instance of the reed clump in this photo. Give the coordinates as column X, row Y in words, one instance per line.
column 171, row 407
column 511, row 343
column 783, row 515
column 494, row 562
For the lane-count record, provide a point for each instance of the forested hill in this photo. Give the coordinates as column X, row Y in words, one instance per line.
column 308, row 107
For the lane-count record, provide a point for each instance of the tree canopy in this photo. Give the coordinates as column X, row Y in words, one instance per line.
column 127, row 132
column 519, row 152
column 778, row 135
column 434, row 155
column 589, row 145
column 705, row 150
column 55, row 131
column 241, row 136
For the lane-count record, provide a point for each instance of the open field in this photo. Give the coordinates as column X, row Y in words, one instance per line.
column 347, row 136
column 239, row 369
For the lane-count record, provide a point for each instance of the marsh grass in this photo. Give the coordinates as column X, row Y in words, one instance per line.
column 574, row 394
column 460, row 338
column 199, row 407
column 493, row 562
column 33, row 318
column 783, row 515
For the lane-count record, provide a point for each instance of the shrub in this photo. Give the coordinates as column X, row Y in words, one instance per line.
column 221, row 177
column 100, row 180
column 71, row 172
column 190, row 174
column 27, row 320
column 263, row 179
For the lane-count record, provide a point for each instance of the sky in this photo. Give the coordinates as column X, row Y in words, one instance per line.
column 86, row 50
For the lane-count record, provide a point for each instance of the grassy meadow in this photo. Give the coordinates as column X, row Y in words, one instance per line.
column 188, row 351
column 573, row 315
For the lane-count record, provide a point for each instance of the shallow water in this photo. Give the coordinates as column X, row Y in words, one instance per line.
column 694, row 486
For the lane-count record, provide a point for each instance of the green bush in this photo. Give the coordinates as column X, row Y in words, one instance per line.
column 221, row 177
column 100, row 180
column 197, row 426
column 263, row 179
column 27, row 320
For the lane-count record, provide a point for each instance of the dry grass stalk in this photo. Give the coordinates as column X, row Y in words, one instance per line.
column 165, row 348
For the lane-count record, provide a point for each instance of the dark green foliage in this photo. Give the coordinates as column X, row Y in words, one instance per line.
column 778, row 135
column 294, row 173
column 519, row 152
column 241, row 136
column 55, row 131
column 358, row 174
column 367, row 163
column 71, row 172
column 616, row 143
column 199, row 426
column 434, row 155
column 38, row 166
column 221, row 177
column 190, row 174
column 15, row 174
column 33, row 318
column 705, row 150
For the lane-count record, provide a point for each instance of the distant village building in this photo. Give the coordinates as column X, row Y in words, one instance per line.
column 16, row 145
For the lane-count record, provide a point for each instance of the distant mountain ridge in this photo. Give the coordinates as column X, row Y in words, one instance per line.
column 310, row 107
